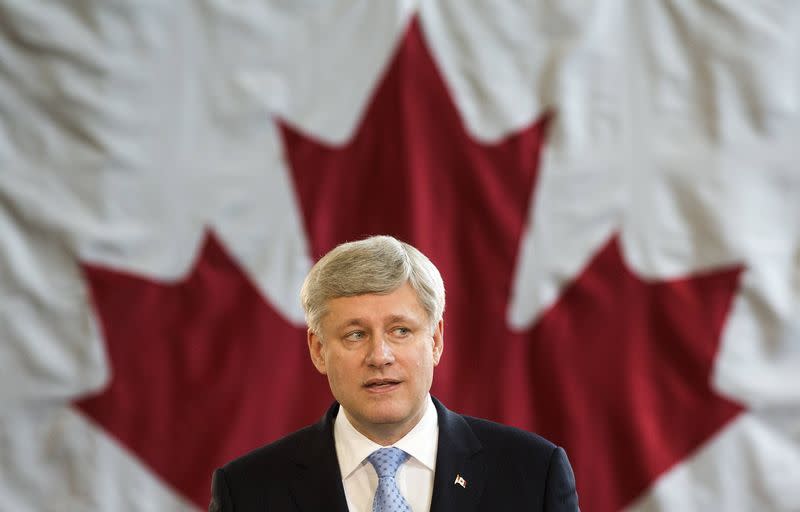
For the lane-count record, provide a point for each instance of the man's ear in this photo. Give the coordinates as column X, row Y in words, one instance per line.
column 438, row 342
column 317, row 351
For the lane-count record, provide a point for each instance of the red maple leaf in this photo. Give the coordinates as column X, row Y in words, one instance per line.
column 202, row 370
column 617, row 371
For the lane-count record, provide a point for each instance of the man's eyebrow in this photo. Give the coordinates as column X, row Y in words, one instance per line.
column 360, row 322
column 351, row 322
column 400, row 318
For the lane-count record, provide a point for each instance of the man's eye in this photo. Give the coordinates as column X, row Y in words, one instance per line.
column 402, row 331
column 355, row 336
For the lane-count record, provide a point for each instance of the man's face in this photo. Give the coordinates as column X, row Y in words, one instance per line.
column 378, row 352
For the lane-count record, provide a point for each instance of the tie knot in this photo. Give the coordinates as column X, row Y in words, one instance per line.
column 387, row 460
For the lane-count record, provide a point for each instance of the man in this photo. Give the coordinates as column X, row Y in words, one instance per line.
column 374, row 312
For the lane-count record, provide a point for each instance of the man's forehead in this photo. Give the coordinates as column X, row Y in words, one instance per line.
column 401, row 303
column 403, row 292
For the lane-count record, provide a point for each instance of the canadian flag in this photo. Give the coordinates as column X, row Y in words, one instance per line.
column 610, row 190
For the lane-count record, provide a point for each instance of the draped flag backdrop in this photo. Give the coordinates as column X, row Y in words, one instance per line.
column 611, row 190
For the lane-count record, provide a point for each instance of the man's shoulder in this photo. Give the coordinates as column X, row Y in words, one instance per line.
column 272, row 458
column 523, row 467
column 495, row 438
column 505, row 439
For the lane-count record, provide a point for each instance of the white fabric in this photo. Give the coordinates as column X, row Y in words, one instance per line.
column 415, row 476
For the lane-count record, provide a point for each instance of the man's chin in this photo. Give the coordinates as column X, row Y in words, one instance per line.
column 384, row 414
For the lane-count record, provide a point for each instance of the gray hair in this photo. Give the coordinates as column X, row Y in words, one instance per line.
column 378, row 264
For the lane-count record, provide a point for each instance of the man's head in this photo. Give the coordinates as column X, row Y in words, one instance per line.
column 374, row 310
column 379, row 264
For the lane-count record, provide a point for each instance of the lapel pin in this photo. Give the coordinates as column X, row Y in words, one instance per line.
column 460, row 481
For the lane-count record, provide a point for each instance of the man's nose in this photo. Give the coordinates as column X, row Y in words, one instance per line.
column 380, row 352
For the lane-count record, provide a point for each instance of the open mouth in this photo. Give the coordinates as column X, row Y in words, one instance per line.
column 381, row 385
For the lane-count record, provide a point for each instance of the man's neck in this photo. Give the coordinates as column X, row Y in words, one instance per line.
column 387, row 434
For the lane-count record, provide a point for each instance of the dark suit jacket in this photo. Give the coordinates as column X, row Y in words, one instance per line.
column 505, row 469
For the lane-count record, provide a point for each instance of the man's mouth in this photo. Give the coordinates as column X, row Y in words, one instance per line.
column 381, row 385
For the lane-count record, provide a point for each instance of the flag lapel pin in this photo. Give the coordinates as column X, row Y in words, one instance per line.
column 460, row 481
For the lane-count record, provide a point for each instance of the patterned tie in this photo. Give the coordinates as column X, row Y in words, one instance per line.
column 387, row 495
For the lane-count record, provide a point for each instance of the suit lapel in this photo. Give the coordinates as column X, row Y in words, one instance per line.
column 458, row 455
column 317, row 484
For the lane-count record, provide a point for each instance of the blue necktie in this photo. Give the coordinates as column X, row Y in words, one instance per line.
column 387, row 495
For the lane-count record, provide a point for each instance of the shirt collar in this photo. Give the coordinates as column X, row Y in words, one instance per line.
column 352, row 447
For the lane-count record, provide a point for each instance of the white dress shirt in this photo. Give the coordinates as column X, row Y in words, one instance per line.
column 414, row 477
